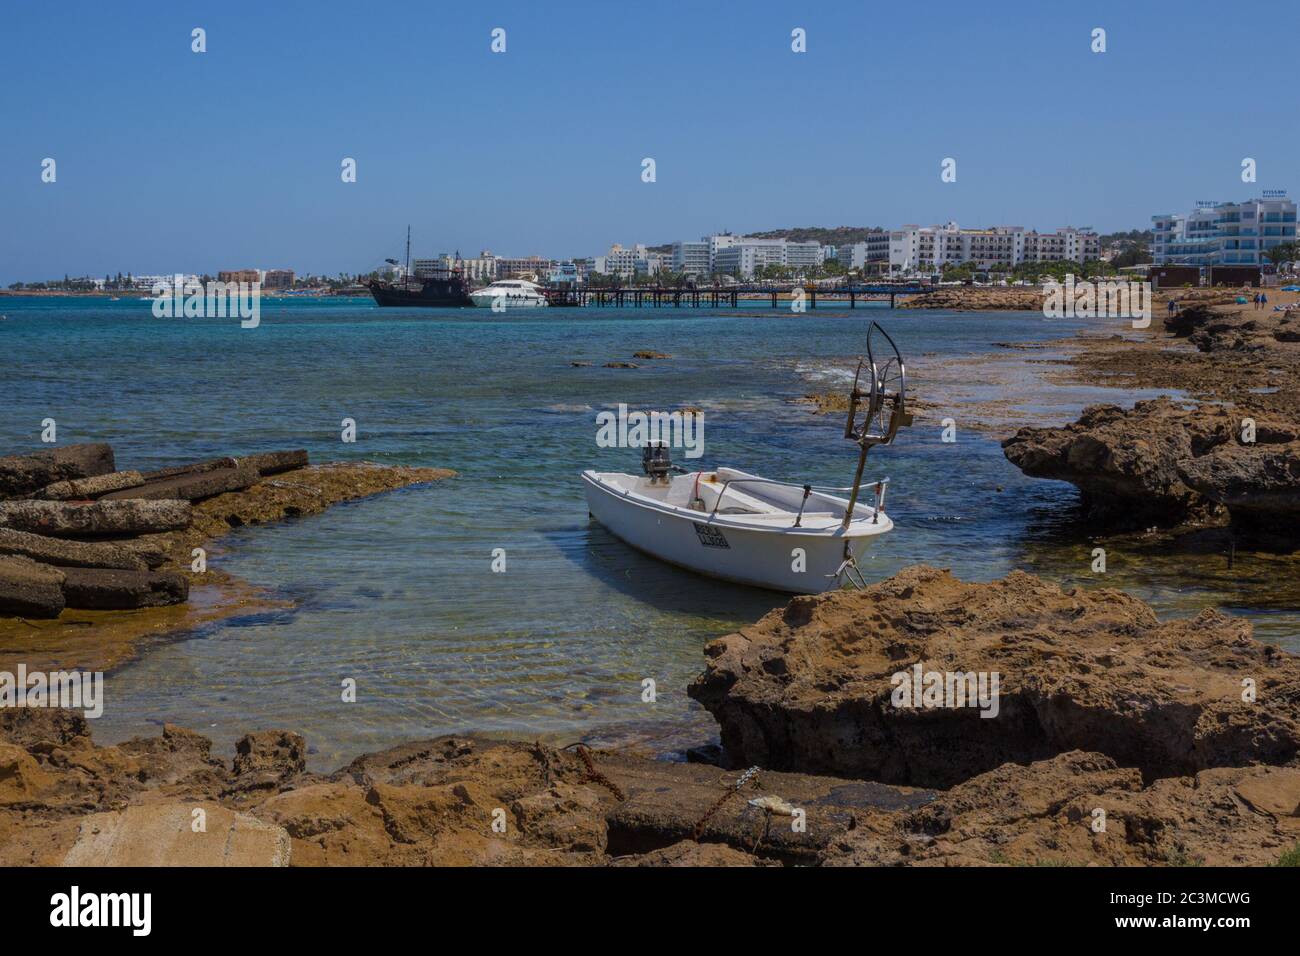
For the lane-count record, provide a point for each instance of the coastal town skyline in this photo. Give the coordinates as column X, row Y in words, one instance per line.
column 564, row 170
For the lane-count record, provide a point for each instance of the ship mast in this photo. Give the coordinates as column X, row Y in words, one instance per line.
column 406, row 275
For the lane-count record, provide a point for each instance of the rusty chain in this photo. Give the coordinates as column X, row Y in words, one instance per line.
column 733, row 789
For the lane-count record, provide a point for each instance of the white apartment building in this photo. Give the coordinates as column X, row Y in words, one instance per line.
column 803, row 255
column 626, row 263
column 148, row 282
column 482, row 268
column 743, row 257
column 875, row 248
column 916, row 248
column 1227, row 234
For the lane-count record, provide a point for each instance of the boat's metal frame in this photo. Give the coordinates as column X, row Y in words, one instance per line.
column 887, row 392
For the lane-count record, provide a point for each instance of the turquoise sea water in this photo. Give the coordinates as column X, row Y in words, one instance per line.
column 397, row 591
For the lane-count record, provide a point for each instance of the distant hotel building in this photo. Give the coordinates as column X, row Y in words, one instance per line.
column 917, row 248
column 691, row 258
column 278, row 279
column 1225, row 234
column 239, row 275
column 629, row 262
column 741, row 256
column 875, row 248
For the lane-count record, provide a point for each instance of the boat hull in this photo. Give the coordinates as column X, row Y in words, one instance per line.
column 767, row 558
column 434, row 294
column 508, row 302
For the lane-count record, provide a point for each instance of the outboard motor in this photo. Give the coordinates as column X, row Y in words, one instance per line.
column 656, row 462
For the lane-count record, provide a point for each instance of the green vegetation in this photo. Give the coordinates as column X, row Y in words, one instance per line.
column 1289, row 858
column 837, row 236
column 1287, row 252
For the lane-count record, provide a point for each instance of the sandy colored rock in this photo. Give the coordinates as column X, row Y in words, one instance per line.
column 1257, row 483
column 162, row 834
column 1049, row 814
column 690, row 853
column 809, row 688
column 29, row 589
column 91, row 487
column 69, row 520
column 25, row 474
column 977, row 299
column 21, row 778
column 1125, row 463
column 434, row 803
column 268, row 757
column 65, row 552
column 274, row 462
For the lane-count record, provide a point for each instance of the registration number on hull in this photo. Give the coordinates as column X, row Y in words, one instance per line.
column 710, row 536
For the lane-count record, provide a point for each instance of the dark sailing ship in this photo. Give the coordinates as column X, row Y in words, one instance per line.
column 449, row 291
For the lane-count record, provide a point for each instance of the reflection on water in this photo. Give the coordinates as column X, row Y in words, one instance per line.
column 397, row 592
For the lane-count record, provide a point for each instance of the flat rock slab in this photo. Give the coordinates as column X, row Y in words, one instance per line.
column 65, row 552
column 62, row 519
column 163, row 835
column 29, row 589
column 195, row 467
column 194, row 486
column 90, row 487
column 105, row 590
column 666, row 801
column 266, row 463
column 274, row 462
column 24, row 474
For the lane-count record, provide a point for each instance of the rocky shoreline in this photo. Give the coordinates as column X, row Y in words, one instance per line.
column 1229, row 456
column 978, row 299
column 94, row 560
column 1105, row 714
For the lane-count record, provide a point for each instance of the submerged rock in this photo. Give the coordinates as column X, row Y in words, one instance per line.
column 812, row 687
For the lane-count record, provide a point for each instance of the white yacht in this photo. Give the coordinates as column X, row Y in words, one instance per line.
column 510, row 294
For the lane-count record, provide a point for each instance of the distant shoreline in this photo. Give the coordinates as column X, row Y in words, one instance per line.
column 143, row 294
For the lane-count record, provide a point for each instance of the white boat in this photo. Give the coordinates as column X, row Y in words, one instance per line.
column 509, row 294
column 733, row 525
column 739, row 527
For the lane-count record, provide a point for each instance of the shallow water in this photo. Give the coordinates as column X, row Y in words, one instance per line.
column 397, row 591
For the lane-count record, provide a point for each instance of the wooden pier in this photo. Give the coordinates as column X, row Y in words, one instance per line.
column 656, row 297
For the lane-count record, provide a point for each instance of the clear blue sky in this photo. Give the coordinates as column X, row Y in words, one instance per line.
column 170, row 160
